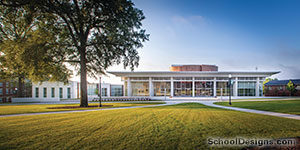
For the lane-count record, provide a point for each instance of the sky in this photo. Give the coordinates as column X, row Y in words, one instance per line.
column 235, row 35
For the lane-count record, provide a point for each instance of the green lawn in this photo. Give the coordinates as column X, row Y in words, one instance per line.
column 183, row 126
column 35, row 108
column 284, row 106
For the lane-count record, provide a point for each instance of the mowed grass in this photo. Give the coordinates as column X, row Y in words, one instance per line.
column 284, row 106
column 182, row 126
column 36, row 108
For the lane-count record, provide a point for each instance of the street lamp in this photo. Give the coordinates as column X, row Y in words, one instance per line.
column 229, row 84
column 100, row 105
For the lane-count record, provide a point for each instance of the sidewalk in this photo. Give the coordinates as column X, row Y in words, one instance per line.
column 210, row 103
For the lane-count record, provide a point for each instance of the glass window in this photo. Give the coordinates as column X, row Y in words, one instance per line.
column 7, row 84
column 162, row 88
column 139, row 78
column 116, row 90
column 183, row 88
column 161, row 78
column 140, row 88
column 246, row 88
column 53, row 92
column 1, row 84
column 222, row 78
column 183, row 78
column 1, row 91
column 104, row 91
column 60, row 92
column 204, row 78
column 45, row 92
column 69, row 92
column 223, row 89
column 36, row 92
column 204, row 88
column 7, row 91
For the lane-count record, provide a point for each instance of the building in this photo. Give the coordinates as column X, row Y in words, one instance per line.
column 193, row 81
column 71, row 90
column 278, row 88
column 7, row 91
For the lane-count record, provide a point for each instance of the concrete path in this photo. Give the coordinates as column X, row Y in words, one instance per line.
column 210, row 103
column 74, row 111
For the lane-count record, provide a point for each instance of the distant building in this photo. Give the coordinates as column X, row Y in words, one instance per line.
column 193, row 81
column 71, row 90
column 278, row 88
column 8, row 90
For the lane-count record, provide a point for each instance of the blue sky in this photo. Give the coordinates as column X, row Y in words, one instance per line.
column 232, row 34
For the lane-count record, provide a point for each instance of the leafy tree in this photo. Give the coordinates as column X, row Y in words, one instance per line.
column 266, row 81
column 28, row 49
column 103, row 33
column 291, row 87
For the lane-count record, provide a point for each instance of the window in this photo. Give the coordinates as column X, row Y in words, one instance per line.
column 69, row 92
column 53, row 92
column 7, row 84
column 60, row 92
column 182, row 78
column 104, row 91
column 7, row 90
column 36, row 92
column 1, row 91
column 161, row 78
column 139, row 78
column 1, row 84
column 45, row 92
column 204, row 78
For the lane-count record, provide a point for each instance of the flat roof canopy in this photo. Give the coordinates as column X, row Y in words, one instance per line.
column 193, row 73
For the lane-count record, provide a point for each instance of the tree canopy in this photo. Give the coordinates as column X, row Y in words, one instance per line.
column 102, row 33
column 30, row 47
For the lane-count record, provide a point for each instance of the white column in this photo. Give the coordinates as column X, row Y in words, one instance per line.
column 215, row 87
column 128, row 87
column 172, row 87
column 150, row 87
column 193, row 87
column 257, row 87
column 235, row 88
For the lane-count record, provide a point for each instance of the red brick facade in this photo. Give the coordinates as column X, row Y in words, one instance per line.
column 7, row 91
column 194, row 68
column 279, row 90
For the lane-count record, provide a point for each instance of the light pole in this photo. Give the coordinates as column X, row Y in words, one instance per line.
column 229, row 89
column 100, row 105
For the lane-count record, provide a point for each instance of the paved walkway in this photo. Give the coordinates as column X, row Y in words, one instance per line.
column 73, row 111
column 210, row 103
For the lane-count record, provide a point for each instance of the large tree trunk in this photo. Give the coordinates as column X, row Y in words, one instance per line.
column 83, row 80
column 20, row 86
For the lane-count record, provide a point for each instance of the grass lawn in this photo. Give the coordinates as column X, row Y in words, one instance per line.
column 182, row 126
column 35, row 108
column 284, row 106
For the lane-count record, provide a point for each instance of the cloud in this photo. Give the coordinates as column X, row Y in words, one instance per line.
column 190, row 20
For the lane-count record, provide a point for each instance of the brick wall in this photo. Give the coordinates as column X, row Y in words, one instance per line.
column 193, row 68
column 279, row 90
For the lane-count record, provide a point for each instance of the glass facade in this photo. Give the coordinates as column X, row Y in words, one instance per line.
column 183, row 88
column 223, row 89
column 140, row 88
column 204, row 88
column 162, row 88
column 116, row 90
column 246, row 88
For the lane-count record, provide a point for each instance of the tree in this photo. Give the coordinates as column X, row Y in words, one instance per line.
column 27, row 48
column 266, row 81
column 291, row 87
column 103, row 33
